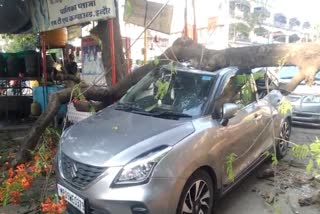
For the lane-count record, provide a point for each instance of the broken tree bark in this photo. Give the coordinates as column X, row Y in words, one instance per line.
column 305, row 56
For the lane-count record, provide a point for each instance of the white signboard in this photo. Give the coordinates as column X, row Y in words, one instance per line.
column 53, row 14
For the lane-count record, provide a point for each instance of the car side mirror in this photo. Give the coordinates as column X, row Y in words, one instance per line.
column 228, row 111
column 275, row 98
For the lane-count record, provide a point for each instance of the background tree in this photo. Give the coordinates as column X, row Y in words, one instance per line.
column 20, row 42
column 251, row 24
column 239, row 31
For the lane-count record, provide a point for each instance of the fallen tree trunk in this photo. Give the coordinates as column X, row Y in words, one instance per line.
column 107, row 95
column 31, row 140
column 305, row 56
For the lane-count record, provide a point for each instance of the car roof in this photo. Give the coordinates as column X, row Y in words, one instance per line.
column 184, row 68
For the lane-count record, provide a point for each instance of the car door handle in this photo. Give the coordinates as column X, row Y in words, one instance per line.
column 257, row 116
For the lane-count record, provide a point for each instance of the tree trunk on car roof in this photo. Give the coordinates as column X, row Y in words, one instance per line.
column 305, row 56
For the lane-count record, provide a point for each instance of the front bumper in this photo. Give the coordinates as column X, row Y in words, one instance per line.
column 306, row 118
column 158, row 196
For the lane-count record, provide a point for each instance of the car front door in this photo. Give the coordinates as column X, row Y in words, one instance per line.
column 243, row 131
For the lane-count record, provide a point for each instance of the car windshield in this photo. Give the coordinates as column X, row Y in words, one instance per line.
column 169, row 94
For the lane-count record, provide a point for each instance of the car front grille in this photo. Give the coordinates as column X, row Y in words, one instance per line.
column 79, row 174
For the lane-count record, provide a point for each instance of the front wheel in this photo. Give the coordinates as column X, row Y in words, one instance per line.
column 197, row 195
column 282, row 143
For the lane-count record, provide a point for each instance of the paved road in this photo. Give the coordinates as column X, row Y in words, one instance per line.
column 247, row 197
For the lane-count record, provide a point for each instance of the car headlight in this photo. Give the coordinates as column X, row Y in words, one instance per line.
column 139, row 170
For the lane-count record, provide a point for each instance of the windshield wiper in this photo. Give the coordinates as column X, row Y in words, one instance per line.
column 129, row 107
column 171, row 114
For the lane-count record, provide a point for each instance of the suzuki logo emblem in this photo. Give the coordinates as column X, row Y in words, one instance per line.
column 73, row 171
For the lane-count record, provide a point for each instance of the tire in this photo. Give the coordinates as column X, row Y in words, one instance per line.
column 203, row 203
column 282, row 144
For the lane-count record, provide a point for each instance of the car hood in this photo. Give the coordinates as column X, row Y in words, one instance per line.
column 114, row 138
column 307, row 90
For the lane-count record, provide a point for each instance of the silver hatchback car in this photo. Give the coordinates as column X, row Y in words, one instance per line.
column 163, row 147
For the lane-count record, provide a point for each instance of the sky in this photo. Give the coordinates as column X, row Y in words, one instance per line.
column 305, row 10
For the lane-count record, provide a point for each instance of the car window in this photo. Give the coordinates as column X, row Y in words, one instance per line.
column 311, row 99
column 239, row 89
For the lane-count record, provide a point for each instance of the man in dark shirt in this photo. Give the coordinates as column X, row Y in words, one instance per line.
column 72, row 66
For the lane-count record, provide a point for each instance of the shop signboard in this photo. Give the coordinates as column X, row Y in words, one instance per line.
column 53, row 14
column 74, row 32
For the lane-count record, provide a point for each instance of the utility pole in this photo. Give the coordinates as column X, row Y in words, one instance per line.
column 145, row 35
column 186, row 19
column 195, row 34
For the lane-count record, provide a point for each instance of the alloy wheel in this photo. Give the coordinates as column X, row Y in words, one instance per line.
column 284, row 137
column 197, row 199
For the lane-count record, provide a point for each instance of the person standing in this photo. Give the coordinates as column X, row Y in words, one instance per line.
column 72, row 67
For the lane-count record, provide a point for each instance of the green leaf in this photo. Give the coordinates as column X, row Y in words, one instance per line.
column 318, row 160
column 246, row 90
column 241, row 79
column 173, row 68
column 92, row 110
column 229, row 166
column 277, row 208
column 128, row 10
column 163, row 87
column 156, row 61
column 77, row 92
column 20, row 42
column 300, row 151
column 286, row 107
column 274, row 159
column 315, row 147
column 259, row 75
column 309, row 166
